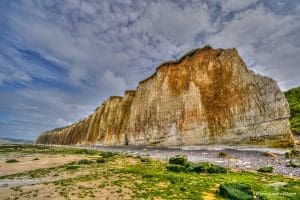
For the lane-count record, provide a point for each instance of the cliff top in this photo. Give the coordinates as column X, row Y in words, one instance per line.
column 181, row 59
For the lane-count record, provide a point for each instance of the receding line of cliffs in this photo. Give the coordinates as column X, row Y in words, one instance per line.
column 132, row 92
column 208, row 96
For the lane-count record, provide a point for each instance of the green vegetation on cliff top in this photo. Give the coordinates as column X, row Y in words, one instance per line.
column 293, row 97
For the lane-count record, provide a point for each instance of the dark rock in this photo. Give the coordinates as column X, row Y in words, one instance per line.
column 84, row 162
column 293, row 163
column 202, row 167
column 100, row 160
column 179, row 160
column 266, row 169
column 235, row 191
column 222, row 155
column 175, row 168
column 216, row 169
column 293, row 153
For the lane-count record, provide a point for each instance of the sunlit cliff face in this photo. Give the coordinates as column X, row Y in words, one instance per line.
column 206, row 97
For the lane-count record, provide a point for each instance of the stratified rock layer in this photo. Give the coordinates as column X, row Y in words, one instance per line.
column 206, row 97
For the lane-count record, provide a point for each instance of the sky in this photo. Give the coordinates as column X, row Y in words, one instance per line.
column 59, row 59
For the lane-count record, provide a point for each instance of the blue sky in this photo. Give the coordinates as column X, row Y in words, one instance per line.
column 60, row 59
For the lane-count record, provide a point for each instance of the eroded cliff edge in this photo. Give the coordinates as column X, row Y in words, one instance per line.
column 206, row 97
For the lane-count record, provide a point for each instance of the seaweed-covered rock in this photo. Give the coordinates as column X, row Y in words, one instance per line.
column 293, row 163
column 84, row 162
column 190, row 167
column 292, row 154
column 178, row 160
column 145, row 159
column 223, row 155
column 202, row 167
column 266, row 169
column 175, row 168
column 100, row 160
column 216, row 169
column 12, row 161
column 236, row 191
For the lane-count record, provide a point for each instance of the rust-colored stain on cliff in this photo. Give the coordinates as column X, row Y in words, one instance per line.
column 218, row 93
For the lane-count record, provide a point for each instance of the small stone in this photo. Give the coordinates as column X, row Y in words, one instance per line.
column 270, row 154
column 222, row 155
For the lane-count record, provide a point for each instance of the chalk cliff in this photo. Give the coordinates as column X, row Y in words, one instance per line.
column 206, row 97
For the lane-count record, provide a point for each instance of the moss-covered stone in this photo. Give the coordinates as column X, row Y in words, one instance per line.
column 71, row 167
column 235, row 191
column 84, row 162
column 216, row 169
column 202, row 167
column 223, row 155
column 175, row 168
column 145, row 159
column 12, row 161
column 266, row 169
column 293, row 163
column 100, row 160
column 178, row 160
column 292, row 153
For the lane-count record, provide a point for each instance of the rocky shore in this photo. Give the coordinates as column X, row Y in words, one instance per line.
column 239, row 158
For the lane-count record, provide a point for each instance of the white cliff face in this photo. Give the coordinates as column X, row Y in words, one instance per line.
column 207, row 97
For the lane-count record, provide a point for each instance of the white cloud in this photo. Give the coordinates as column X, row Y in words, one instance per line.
column 112, row 81
column 174, row 23
column 10, row 73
